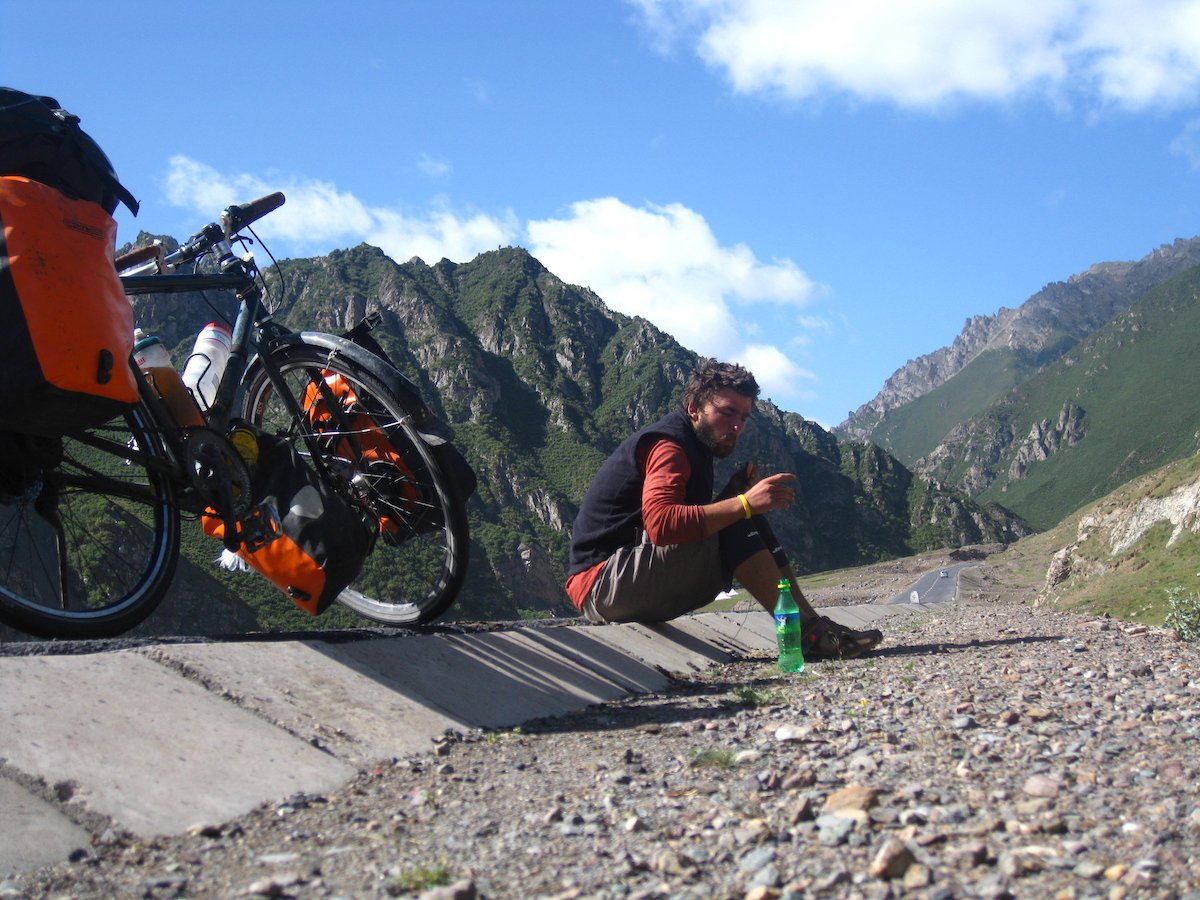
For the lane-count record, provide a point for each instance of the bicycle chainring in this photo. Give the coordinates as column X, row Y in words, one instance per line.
column 217, row 472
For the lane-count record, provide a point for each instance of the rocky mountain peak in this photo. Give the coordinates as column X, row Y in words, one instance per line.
column 1041, row 329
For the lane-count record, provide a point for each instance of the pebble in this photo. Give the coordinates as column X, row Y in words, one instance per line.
column 988, row 750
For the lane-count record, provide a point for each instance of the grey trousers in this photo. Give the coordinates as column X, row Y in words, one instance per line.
column 647, row 583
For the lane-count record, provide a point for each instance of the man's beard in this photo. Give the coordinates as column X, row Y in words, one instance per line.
column 708, row 437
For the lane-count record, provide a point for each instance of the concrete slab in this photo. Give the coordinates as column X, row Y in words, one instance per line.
column 750, row 632
column 493, row 680
column 138, row 739
column 35, row 833
column 580, row 644
column 667, row 646
column 756, row 629
column 152, row 751
column 319, row 694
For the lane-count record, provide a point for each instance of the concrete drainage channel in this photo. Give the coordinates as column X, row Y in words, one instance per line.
column 156, row 739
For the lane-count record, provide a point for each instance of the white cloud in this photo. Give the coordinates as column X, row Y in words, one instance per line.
column 440, row 233
column 660, row 262
column 317, row 215
column 664, row 263
column 432, row 166
column 479, row 90
column 1187, row 144
column 315, row 210
column 920, row 53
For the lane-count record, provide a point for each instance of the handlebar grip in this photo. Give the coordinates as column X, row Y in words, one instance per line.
column 236, row 217
column 137, row 257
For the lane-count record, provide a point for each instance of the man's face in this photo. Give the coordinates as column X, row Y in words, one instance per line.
column 720, row 421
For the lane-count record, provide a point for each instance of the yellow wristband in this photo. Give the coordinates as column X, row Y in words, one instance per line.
column 745, row 505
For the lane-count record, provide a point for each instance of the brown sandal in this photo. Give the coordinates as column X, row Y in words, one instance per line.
column 823, row 638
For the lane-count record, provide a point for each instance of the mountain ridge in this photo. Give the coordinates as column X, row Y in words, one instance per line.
column 1030, row 336
column 1120, row 403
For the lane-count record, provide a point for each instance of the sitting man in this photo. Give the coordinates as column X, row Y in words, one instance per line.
column 651, row 543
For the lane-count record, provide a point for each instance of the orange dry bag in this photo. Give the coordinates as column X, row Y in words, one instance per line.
column 68, row 326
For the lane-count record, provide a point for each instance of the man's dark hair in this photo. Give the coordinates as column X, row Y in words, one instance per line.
column 712, row 376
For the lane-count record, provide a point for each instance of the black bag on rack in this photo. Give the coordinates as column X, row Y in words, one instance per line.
column 300, row 535
column 43, row 142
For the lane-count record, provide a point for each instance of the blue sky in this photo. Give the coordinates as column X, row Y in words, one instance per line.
column 820, row 191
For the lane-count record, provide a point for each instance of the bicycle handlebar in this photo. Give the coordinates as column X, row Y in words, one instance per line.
column 233, row 219
column 236, row 218
column 138, row 256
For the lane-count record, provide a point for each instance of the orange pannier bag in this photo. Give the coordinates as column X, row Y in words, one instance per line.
column 375, row 447
column 67, row 325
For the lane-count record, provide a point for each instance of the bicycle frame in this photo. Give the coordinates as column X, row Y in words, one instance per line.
column 253, row 336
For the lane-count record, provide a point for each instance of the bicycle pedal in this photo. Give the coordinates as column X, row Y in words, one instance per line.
column 259, row 528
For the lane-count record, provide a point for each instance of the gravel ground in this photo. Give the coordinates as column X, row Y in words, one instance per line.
column 990, row 750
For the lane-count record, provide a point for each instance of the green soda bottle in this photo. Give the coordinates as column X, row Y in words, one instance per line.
column 787, row 630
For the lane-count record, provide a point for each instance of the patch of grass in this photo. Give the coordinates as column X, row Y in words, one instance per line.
column 756, row 697
column 496, row 737
column 908, row 625
column 713, row 758
column 419, row 878
column 726, row 604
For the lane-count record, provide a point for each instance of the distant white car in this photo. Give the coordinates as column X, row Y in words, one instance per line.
column 943, row 574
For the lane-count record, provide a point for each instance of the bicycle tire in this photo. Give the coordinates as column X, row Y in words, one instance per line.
column 118, row 551
column 418, row 565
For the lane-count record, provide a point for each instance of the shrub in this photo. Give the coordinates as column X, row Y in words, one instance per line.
column 1183, row 613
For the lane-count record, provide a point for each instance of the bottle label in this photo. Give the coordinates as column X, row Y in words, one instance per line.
column 787, row 622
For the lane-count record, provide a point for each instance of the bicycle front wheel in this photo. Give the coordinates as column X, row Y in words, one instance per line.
column 89, row 544
column 420, row 557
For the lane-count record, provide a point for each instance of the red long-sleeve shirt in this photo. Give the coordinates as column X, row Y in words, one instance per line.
column 666, row 518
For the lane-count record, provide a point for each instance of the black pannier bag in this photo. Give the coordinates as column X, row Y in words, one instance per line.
column 300, row 535
column 43, row 142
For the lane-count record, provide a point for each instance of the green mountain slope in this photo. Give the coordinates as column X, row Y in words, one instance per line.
column 915, row 428
column 1124, row 401
column 925, row 398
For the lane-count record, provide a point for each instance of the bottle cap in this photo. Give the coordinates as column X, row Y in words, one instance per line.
column 784, row 585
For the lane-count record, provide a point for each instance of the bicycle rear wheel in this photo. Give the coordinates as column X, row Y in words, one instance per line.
column 420, row 556
column 88, row 548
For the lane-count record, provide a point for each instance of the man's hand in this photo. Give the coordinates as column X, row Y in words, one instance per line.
column 773, row 492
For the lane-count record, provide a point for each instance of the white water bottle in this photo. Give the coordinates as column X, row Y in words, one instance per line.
column 203, row 369
column 148, row 351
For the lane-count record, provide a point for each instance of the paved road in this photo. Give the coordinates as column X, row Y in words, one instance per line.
column 158, row 737
column 932, row 587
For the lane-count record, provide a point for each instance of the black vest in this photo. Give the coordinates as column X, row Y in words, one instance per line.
column 611, row 514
